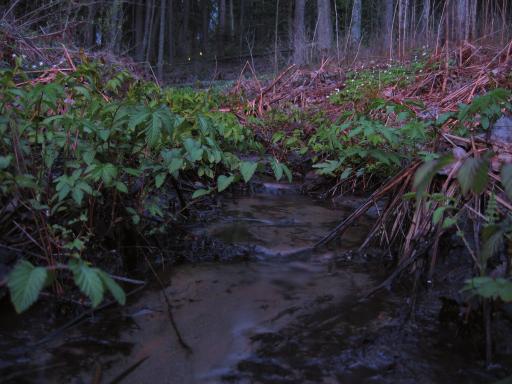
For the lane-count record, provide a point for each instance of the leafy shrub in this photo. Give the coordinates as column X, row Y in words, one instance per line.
column 94, row 147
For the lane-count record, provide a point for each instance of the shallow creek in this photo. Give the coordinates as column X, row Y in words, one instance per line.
column 282, row 317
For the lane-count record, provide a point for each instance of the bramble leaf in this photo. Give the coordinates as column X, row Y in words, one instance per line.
column 25, row 283
column 247, row 169
column 114, row 288
column 88, row 280
column 224, row 181
column 473, row 175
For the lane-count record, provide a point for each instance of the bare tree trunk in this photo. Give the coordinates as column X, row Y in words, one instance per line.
column 90, row 34
column 161, row 41
column 139, row 30
column 325, row 35
column 473, row 14
column 462, row 30
column 290, row 23
column 504, row 25
column 299, row 33
column 403, row 8
column 231, row 21
column 241, row 26
column 147, row 27
column 185, row 30
column 150, row 31
column 222, row 28
column 171, row 32
column 425, row 20
column 389, row 13
column 355, row 30
column 205, row 13
column 276, row 41
column 116, row 22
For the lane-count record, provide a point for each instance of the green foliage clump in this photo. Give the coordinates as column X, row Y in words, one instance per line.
column 366, row 84
column 95, row 148
column 481, row 113
column 472, row 175
column 362, row 146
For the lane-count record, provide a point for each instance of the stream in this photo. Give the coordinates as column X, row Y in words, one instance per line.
column 281, row 317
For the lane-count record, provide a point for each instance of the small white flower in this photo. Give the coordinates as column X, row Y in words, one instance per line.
column 13, row 55
column 40, row 63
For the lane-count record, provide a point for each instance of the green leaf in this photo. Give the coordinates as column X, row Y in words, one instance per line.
column 77, row 195
column 328, row 167
column 193, row 149
column 135, row 216
column 276, row 167
column 346, row 173
column 224, row 181
column 484, row 121
column 114, row 288
column 108, row 172
column 473, row 175
column 133, row 171
column 63, row 190
column 247, row 169
column 26, row 181
column 25, row 283
column 490, row 288
column 121, row 187
column 89, row 156
column 287, row 172
column 138, row 118
column 5, row 161
column 449, row 222
column 201, row 192
column 104, row 134
column 174, row 166
column 159, row 179
column 427, row 171
column 76, row 244
column 492, row 239
column 88, row 280
column 409, row 195
column 438, row 215
column 50, row 154
column 444, row 118
column 154, row 131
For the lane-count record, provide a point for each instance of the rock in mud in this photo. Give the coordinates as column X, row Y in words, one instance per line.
column 501, row 140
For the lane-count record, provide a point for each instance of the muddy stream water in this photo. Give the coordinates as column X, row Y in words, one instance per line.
column 281, row 317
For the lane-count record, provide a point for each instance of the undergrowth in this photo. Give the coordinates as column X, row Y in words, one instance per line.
column 87, row 152
column 365, row 85
column 84, row 153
